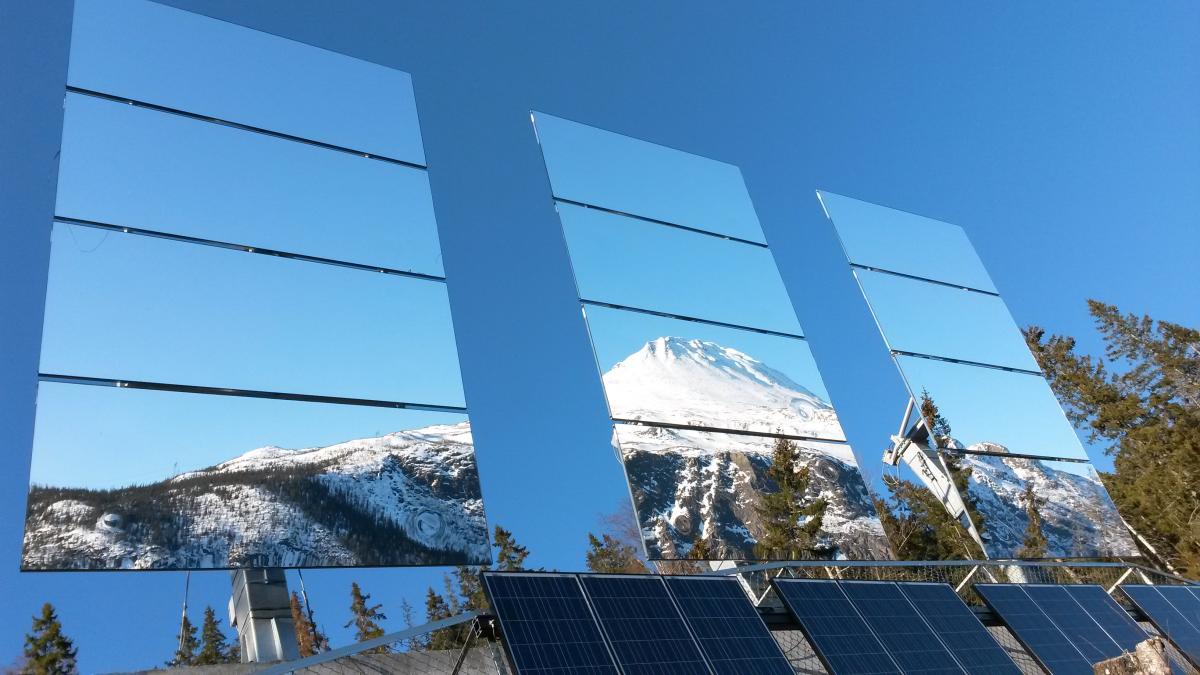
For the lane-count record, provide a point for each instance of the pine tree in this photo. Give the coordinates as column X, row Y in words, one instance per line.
column 790, row 527
column 415, row 643
column 919, row 527
column 1034, row 544
column 213, row 649
column 700, row 549
column 1141, row 401
column 609, row 556
column 47, row 650
column 309, row 639
column 436, row 609
column 185, row 653
column 366, row 618
column 510, row 556
column 941, row 434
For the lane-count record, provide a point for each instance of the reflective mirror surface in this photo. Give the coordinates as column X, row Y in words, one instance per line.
column 1079, row 518
column 148, row 52
column 697, row 374
column 639, row 264
column 133, row 307
column 605, row 169
column 935, row 320
column 991, row 410
column 897, row 241
column 140, row 168
column 691, row 485
column 132, row 479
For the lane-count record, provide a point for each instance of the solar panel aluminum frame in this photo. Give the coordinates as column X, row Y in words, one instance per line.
column 486, row 574
column 777, row 583
column 666, row 591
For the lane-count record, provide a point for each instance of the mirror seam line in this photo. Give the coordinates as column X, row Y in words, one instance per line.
column 656, row 221
column 693, row 319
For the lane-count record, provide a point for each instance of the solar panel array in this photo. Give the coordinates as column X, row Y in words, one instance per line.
column 887, row 627
column 1067, row 629
column 1174, row 611
column 633, row 624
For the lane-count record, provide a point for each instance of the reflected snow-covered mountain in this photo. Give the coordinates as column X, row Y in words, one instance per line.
column 699, row 383
column 690, row 484
column 406, row 498
column 1080, row 518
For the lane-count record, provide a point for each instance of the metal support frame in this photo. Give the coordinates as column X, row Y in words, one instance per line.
column 260, row 609
column 927, row 463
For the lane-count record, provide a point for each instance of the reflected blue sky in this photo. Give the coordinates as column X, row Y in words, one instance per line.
column 139, row 168
column 172, row 59
column 608, row 169
column 916, row 316
column 645, row 265
column 898, row 241
column 103, row 437
column 987, row 405
column 1040, row 128
column 617, row 334
column 140, row 308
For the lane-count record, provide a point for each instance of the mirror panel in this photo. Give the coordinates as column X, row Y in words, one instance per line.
column 992, row 410
column 153, row 53
column 639, row 264
column 672, row 371
column 1079, row 518
column 133, row 167
column 606, row 169
column 132, row 307
column 896, row 241
column 688, row 485
column 972, row 326
column 134, row 479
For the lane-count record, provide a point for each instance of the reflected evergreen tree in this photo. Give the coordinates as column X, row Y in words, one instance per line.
column 48, row 651
column 185, row 653
column 1141, row 401
column 365, row 618
column 919, row 527
column 1034, row 544
column 309, row 638
column 609, row 556
column 213, row 647
column 510, row 556
column 942, row 435
column 790, row 527
column 436, row 609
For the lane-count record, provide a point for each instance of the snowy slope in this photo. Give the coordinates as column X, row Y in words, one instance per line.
column 1080, row 518
column 407, row 498
column 683, row 381
column 690, row 484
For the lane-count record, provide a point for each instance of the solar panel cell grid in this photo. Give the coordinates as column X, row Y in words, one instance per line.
column 1080, row 628
column 842, row 640
column 901, row 630
column 647, row 634
column 959, row 629
column 1167, row 619
column 1034, row 629
column 1112, row 617
column 548, row 626
column 728, row 628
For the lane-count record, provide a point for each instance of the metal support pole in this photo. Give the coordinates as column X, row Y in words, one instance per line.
column 260, row 609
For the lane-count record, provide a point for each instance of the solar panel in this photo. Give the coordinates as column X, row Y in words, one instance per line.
column 1080, row 628
column 1167, row 619
column 959, row 629
column 837, row 632
column 548, row 626
column 1039, row 635
column 904, row 634
column 1185, row 599
column 645, row 630
column 1112, row 617
column 728, row 628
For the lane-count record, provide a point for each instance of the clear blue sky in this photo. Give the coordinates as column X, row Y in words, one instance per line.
column 1065, row 142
